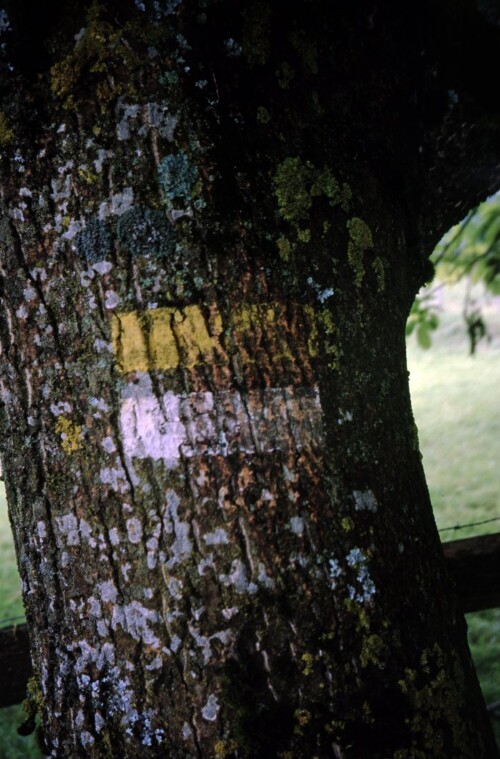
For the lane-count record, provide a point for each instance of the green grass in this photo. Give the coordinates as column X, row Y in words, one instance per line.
column 456, row 402
column 456, row 406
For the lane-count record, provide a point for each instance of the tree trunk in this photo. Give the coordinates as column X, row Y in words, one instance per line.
column 221, row 520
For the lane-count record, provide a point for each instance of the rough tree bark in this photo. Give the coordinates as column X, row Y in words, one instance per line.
column 215, row 216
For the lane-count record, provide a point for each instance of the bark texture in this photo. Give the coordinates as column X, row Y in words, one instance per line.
column 211, row 235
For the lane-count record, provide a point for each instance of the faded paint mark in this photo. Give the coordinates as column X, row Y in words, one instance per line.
column 166, row 338
column 217, row 424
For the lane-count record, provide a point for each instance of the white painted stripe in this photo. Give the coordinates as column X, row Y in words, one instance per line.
column 171, row 426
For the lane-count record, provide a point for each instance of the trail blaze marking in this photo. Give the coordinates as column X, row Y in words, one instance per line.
column 170, row 426
column 166, row 338
column 194, row 424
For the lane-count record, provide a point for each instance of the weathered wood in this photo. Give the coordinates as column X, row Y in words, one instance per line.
column 15, row 664
column 475, row 566
column 473, row 562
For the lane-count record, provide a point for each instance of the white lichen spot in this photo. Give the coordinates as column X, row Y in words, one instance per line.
column 229, row 612
column 73, row 229
column 86, row 738
column 29, row 293
column 211, row 708
column 68, row 526
column 263, row 578
column 60, row 408
column 98, row 722
column 42, row 530
column 114, row 536
column 297, row 525
column 16, row 214
column 134, row 530
column 111, row 299
column 217, row 537
column 187, row 732
column 357, row 559
column 128, row 112
column 115, row 478
column 151, row 559
column 95, row 608
column 175, row 644
column 86, row 533
column 175, row 586
column 344, row 416
column 108, row 445
column 99, row 403
column 102, row 346
column 208, row 561
column 122, row 201
column 107, row 591
column 80, row 718
column 324, row 295
column 157, row 663
column 182, row 546
column 21, row 312
column 238, row 578
column 334, row 570
column 102, row 267
column 135, row 620
column 102, row 628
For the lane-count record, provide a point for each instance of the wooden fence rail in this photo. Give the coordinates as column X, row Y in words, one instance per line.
column 474, row 564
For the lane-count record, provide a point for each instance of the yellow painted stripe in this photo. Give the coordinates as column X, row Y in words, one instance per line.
column 166, row 338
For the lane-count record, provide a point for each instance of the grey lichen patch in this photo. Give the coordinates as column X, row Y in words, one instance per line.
column 146, row 232
column 360, row 241
column 95, row 242
column 177, row 177
column 364, row 500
